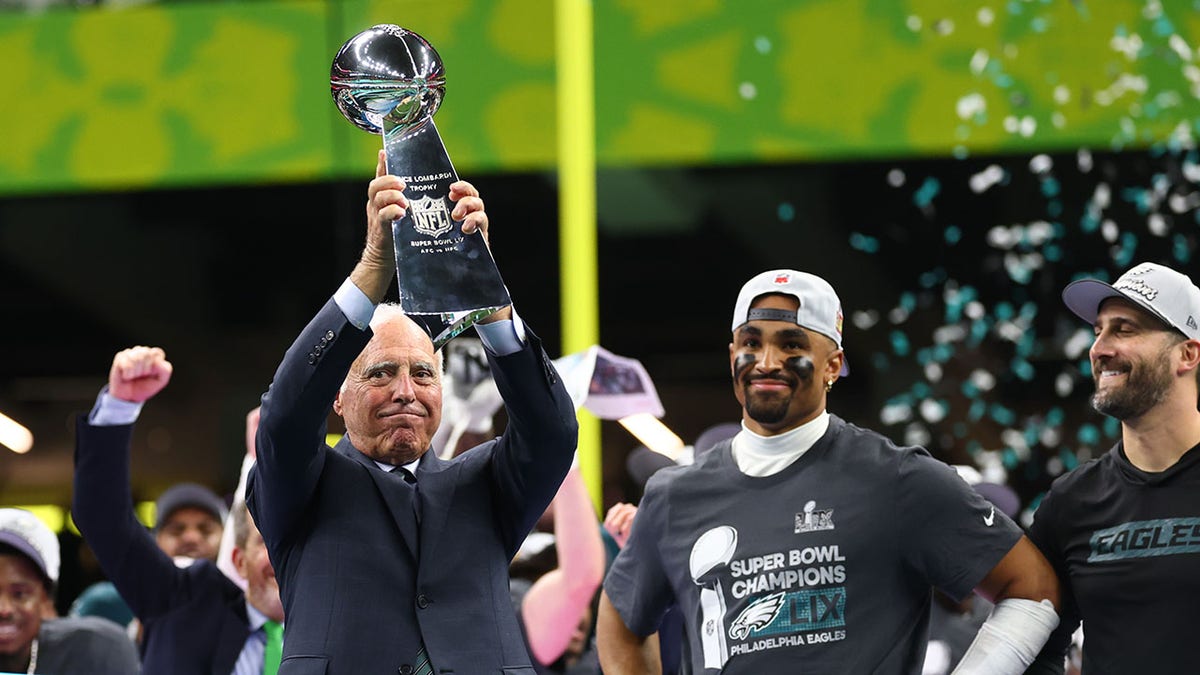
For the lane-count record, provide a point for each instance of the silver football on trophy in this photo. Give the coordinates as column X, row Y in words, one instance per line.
column 387, row 73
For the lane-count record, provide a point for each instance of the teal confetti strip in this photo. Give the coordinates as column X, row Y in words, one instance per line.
column 1009, row 458
column 1088, row 434
column 953, row 312
column 1032, row 431
column 1090, row 221
column 1128, row 248
column 786, row 212
column 1002, row 415
column 928, row 190
column 979, row 330
column 1085, row 367
column 1036, row 501
column 1112, row 428
column 924, row 356
column 977, row 410
column 932, row 278
column 900, row 343
column 1025, row 347
column 1139, row 197
column 1055, row 416
column 943, row 352
column 1022, row 369
column 864, row 243
column 1180, row 248
column 952, row 234
column 1068, row 459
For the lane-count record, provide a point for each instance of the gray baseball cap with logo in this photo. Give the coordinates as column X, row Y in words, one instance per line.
column 23, row 531
column 1165, row 293
column 820, row 309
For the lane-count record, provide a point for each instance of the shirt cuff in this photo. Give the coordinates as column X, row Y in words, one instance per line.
column 502, row 338
column 355, row 304
column 111, row 411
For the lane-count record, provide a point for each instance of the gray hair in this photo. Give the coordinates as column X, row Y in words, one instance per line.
column 240, row 516
column 390, row 311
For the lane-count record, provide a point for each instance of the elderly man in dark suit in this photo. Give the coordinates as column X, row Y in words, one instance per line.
column 389, row 558
column 194, row 618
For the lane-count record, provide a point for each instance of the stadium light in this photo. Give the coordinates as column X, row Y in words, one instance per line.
column 14, row 436
column 653, row 434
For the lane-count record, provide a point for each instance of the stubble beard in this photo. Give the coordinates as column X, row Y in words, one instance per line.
column 766, row 410
column 1147, row 385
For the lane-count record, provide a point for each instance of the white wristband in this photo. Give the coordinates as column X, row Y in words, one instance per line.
column 1010, row 639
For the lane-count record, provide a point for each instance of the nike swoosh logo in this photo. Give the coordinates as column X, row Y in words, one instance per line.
column 990, row 518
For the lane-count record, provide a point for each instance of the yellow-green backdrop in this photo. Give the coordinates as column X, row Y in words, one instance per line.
column 237, row 92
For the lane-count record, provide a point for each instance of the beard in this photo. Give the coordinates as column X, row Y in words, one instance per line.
column 1146, row 385
column 767, row 412
column 767, row 409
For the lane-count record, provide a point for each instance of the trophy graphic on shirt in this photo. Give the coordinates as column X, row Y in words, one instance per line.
column 390, row 81
column 710, row 554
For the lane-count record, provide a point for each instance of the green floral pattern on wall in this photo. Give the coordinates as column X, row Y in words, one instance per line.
column 202, row 93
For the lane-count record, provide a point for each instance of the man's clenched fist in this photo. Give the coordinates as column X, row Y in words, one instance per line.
column 138, row 373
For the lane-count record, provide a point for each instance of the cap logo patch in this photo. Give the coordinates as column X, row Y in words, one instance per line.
column 1191, row 323
column 1140, row 287
column 782, row 278
column 838, row 324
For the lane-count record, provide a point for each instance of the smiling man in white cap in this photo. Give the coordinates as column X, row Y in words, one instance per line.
column 1123, row 531
column 806, row 544
column 29, row 565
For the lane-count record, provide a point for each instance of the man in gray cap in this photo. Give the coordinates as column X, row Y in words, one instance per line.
column 189, row 522
column 806, row 544
column 1123, row 531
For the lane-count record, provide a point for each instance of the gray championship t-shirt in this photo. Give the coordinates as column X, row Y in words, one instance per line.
column 824, row 568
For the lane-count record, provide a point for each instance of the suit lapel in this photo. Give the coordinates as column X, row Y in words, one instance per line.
column 396, row 493
column 234, row 631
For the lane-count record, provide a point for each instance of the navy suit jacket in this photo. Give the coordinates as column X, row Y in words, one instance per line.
column 193, row 619
column 364, row 584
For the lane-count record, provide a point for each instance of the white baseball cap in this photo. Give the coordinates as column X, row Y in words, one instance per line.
column 1165, row 293
column 820, row 309
column 23, row 531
